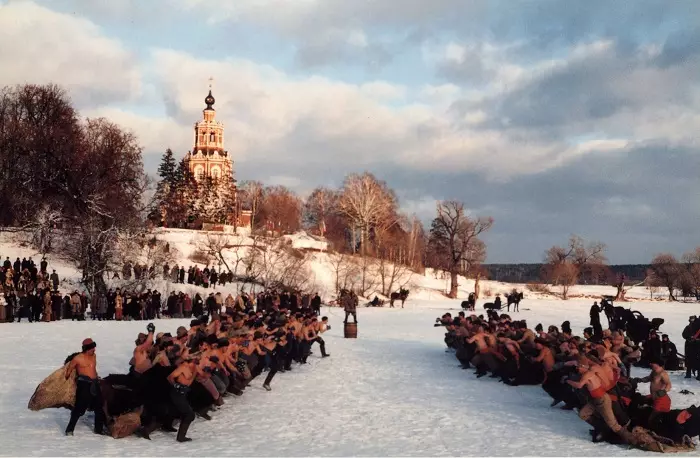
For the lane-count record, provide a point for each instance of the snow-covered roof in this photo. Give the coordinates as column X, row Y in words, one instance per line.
column 303, row 241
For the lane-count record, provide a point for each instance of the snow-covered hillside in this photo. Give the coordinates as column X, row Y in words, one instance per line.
column 322, row 269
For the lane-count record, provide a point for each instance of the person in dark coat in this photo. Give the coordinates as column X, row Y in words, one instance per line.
column 691, row 334
column 595, row 320
column 652, row 348
column 54, row 280
column 316, row 304
column 669, row 354
column 197, row 305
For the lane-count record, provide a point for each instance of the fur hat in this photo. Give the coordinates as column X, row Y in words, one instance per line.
column 88, row 344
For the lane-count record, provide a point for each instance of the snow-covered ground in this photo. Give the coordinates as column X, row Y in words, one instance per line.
column 392, row 391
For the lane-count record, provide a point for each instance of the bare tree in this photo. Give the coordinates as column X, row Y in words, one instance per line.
column 43, row 227
column 344, row 271
column 454, row 241
column 251, row 196
column 214, row 246
column 651, row 283
column 319, row 207
column 366, row 202
column 691, row 261
column 279, row 266
column 280, row 210
column 563, row 265
column 666, row 269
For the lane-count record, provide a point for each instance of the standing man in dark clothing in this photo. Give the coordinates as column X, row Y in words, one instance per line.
column 350, row 306
column 691, row 334
column 43, row 265
column 595, row 320
column 35, row 305
column 316, row 304
column 54, row 280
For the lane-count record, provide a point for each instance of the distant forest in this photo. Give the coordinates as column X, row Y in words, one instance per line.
column 527, row 273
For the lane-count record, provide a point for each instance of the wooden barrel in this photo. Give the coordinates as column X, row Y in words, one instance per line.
column 351, row 330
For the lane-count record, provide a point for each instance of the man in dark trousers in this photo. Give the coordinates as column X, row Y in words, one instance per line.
column 691, row 334
column 595, row 319
column 316, row 304
column 54, row 280
column 87, row 391
column 350, row 306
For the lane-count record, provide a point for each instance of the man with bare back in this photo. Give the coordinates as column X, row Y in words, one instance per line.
column 181, row 380
column 141, row 360
column 87, row 391
column 659, row 387
column 595, row 381
column 483, row 357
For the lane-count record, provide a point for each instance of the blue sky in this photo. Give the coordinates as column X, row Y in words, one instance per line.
column 554, row 117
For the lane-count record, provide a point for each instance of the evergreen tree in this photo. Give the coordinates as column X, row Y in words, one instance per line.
column 187, row 194
column 167, row 171
column 160, row 209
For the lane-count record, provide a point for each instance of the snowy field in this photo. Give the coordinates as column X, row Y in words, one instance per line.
column 393, row 391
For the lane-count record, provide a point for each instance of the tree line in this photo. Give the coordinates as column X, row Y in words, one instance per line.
column 579, row 261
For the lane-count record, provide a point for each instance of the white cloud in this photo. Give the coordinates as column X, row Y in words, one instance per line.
column 455, row 53
column 357, row 38
column 382, row 90
column 40, row 46
column 424, row 207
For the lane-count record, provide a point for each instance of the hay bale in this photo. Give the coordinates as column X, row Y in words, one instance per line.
column 126, row 424
column 54, row 391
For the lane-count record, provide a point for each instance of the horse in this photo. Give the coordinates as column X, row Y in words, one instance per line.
column 401, row 295
column 514, row 300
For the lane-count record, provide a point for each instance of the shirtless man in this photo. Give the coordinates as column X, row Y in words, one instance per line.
column 659, row 387
column 484, row 341
column 181, row 380
column 87, row 389
column 319, row 328
column 593, row 379
column 528, row 339
column 545, row 356
column 141, row 360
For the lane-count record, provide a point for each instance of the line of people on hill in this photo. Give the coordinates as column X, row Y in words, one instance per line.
column 188, row 374
column 589, row 373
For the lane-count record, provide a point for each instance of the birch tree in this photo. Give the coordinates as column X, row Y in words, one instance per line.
column 366, row 202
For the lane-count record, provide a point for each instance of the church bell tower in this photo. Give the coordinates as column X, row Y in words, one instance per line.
column 208, row 158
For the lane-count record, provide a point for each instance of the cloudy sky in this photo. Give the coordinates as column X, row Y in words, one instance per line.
column 554, row 117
